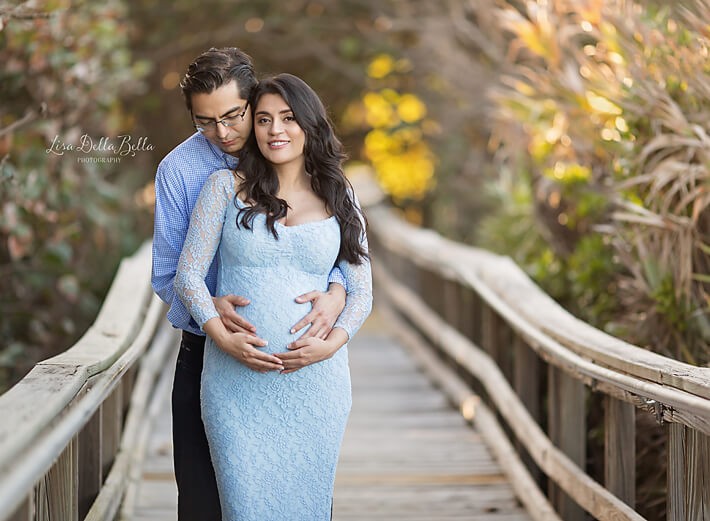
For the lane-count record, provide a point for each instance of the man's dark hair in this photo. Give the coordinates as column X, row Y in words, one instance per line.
column 217, row 67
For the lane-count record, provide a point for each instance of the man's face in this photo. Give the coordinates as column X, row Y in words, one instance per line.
column 224, row 103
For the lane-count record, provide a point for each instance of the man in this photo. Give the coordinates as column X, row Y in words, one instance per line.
column 216, row 88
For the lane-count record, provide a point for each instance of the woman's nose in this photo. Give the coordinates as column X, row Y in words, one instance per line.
column 276, row 127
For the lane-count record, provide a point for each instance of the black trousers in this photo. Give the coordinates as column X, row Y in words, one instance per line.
column 198, row 499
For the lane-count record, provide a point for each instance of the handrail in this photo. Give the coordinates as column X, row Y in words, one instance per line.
column 679, row 387
column 477, row 308
column 63, row 421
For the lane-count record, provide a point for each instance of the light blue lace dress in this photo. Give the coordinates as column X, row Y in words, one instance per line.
column 274, row 438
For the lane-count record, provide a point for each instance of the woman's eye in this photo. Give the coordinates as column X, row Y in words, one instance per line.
column 289, row 118
column 262, row 121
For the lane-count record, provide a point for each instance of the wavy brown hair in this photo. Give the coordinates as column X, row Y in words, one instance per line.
column 324, row 157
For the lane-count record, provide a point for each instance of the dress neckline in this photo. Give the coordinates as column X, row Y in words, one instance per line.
column 242, row 204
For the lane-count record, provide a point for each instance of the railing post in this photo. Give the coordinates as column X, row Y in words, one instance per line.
column 526, row 382
column 489, row 332
column 452, row 303
column 90, row 468
column 567, row 421
column 111, row 413
column 698, row 487
column 496, row 340
column 56, row 493
column 620, row 449
column 476, row 318
column 675, row 505
column 468, row 318
column 688, row 474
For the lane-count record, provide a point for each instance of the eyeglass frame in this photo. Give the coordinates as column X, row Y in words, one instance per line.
column 204, row 129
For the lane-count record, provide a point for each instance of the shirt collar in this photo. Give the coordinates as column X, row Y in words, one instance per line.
column 228, row 160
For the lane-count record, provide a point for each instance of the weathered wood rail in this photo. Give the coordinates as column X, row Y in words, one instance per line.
column 517, row 365
column 67, row 432
column 497, row 333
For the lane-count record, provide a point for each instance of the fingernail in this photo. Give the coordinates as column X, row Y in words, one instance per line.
column 293, row 330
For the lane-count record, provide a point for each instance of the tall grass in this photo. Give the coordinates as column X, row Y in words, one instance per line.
column 602, row 119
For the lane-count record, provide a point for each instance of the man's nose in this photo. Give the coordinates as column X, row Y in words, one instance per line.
column 222, row 131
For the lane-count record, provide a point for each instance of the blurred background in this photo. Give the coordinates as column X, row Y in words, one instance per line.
column 571, row 135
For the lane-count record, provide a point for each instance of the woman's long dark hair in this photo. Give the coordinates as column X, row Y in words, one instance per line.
column 324, row 158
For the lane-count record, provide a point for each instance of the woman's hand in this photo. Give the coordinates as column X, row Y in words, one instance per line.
column 244, row 347
column 311, row 350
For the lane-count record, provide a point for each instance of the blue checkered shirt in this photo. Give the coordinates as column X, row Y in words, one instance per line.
column 178, row 182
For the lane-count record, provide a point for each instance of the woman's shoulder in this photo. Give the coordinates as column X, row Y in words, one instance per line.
column 219, row 185
column 239, row 189
column 223, row 179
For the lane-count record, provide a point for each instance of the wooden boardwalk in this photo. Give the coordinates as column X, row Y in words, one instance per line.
column 406, row 455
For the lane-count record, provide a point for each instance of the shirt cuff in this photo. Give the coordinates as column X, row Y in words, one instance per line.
column 337, row 276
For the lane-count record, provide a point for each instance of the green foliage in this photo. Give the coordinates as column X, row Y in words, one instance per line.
column 603, row 111
column 583, row 280
column 64, row 224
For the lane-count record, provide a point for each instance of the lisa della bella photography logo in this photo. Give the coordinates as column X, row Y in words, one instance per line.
column 111, row 150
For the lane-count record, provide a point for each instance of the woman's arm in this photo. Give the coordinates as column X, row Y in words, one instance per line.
column 200, row 247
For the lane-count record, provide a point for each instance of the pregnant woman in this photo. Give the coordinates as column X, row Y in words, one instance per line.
column 275, row 412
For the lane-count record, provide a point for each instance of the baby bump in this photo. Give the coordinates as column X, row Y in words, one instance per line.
column 272, row 307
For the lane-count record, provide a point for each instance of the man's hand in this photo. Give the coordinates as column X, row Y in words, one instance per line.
column 327, row 306
column 232, row 320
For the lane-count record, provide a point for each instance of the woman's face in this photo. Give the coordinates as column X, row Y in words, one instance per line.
column 279, row 137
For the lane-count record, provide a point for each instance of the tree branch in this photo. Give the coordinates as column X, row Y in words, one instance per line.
column 30, row 116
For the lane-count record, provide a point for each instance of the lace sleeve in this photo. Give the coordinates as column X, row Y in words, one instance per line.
column 358, row 302
column 200, row 247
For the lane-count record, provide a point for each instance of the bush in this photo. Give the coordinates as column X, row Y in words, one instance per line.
column 64, row 224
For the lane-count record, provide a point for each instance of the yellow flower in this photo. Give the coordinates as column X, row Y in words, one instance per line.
column 410, row 108
column 379, row 112
column 381, row 66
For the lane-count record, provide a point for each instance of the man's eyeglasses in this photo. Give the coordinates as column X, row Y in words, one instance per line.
column 211, row 126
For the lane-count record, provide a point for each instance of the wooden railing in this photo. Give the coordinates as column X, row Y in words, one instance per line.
column 70, row 430
column 497, row 337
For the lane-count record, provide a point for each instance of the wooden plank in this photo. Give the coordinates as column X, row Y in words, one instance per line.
column 471, row 408
column 567, row 430
column 558, row 466
column 698, row 476
column 406, row 454
column 138, row 421
column 675, row 504
column 110, row 430
column 526, row 382
column 90, row 469
column 393, row 469
column 44, row 411
column 620, row 449
column 56, row 493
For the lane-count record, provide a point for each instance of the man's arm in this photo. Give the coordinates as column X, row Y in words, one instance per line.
column 172, row 219
column 169, row 230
